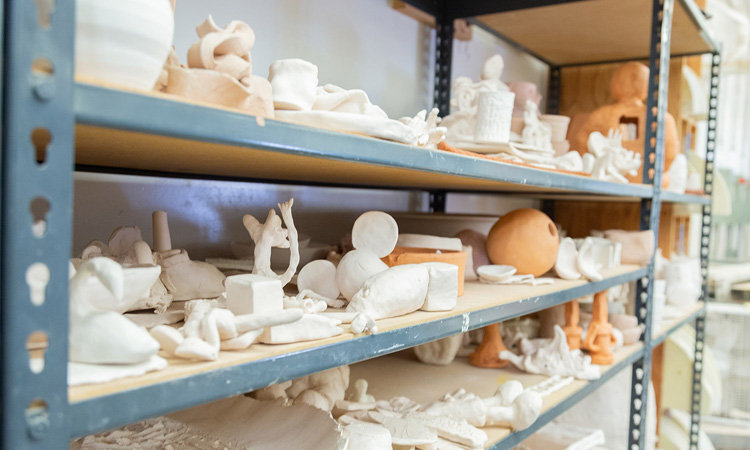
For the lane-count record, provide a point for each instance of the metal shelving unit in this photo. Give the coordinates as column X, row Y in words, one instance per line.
column 43, row 108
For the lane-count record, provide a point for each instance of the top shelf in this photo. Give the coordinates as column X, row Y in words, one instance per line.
column 572, row 33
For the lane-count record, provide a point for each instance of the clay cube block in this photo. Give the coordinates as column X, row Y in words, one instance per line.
column 254, row 294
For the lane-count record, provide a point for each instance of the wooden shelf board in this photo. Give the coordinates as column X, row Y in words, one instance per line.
column 401, row 374
column 594, row 31
column 477, row 296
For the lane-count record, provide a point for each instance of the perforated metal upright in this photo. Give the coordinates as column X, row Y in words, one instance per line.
column 653, row 166
column 36, row 205
column 708, row 186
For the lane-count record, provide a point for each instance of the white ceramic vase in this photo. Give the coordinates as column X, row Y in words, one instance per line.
column 494, row 113
column 123, row 42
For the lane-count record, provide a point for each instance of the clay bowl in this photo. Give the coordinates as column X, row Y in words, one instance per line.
column 411, row 255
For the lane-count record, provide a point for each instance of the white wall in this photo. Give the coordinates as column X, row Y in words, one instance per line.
column 356, row 44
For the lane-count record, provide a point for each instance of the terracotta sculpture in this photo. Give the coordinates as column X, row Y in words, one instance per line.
column 525, row 239
column 98, row 333
column 271, row 234
column 599, row 338
column 629, row 88
column 220, row 70
column 486, row 355
column 572, row 331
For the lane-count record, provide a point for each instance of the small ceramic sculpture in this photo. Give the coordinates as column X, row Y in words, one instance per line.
column 553, row 357
column 101, row 335
column 294, row 82
column 525, row 92
column 494, row 112
column 183, row 278
column 525, row 239
column 478, row 242
column 628, row 326
column 599, row 338
column 429, row 134
column 375, row 231
column 678, row 174
column 441, row 352
column 319, row 276
column 461, row 123
column 395, row 292
column 629, row 88
column 572, row 331
column 220, row 70
column 355, row 268
column 613, row 161
column 130, row 56
column 535, row 132
column 585, row 261
column 271, row 234
column 486, row 355
column 566, row 265
column 321, row 390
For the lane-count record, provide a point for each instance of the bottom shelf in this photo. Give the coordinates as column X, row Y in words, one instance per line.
column 401, row 374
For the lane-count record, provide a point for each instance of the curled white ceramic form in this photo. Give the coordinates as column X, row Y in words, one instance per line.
column 494, row 113
column 124, row 43
column 294, row 83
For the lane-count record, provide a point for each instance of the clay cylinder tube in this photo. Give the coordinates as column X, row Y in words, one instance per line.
column 162, row 240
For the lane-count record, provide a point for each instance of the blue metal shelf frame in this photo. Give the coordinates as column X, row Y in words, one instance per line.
column 37, row 100
column 101, row 413
column 34, row 406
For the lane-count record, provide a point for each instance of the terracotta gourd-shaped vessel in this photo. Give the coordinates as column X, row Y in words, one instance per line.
column 526, row 239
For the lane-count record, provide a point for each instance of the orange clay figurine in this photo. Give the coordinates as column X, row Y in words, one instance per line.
column 572, row 331
column 486, row 355
column 599, row 337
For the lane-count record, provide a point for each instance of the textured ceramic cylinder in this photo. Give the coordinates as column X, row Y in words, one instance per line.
column 160, row 226
column 494, row 113
column 294, row 82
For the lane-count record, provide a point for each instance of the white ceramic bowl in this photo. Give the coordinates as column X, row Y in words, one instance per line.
column 123, row 42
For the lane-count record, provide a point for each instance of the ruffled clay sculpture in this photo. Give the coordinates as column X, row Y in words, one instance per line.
column 271, row 234
column 553, row 357
column 183, row 278
column 566, row 265
column 98, row 333
column 599, row 339
column 525, row 239
column 629, row 88
column 220, row 70
column 321, row 390
column 486, row 355
column 208, row 329
column 613, row 161
column 461, row 123
column 572, row 331
column 585, row 261
column 298, row 99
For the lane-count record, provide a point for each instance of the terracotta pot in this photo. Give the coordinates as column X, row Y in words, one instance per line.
column 411, row 255
column 525, row 239
column 124, row 43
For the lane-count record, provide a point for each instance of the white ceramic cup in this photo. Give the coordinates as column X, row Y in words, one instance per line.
column 558, row 125
column 494, row 113
column 294, row 82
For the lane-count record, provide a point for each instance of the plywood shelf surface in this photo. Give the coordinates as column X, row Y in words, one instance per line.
column 402, row 374
column 184, row 383
column 669, row 326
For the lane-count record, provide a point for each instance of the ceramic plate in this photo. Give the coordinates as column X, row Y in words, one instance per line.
column 496, row 273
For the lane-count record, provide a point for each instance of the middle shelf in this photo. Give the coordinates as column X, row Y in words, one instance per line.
column 183, row 384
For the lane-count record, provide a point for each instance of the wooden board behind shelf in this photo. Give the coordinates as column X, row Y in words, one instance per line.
column 477, row 296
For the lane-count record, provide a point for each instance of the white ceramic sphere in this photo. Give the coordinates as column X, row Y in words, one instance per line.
column 123, row 42
column 355, row 268
column 320, row 277
column 375, row 231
